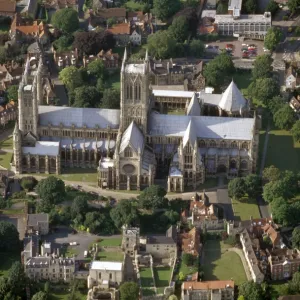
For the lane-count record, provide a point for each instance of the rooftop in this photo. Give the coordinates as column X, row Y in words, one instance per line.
column 43, row 148
column 208, row 285
column 242, row 19
column 106, row 265
column 7, row 6
column 34, row 219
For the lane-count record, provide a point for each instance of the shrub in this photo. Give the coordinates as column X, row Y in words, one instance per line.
column 28, row 183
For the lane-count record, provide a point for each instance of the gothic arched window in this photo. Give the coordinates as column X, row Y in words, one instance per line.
column 202, row 144
column 245, row 145
column 128, row 152
column 234, row 145
column 212, row 144
column 244, row 165
column 135, row 92
column 139, row 92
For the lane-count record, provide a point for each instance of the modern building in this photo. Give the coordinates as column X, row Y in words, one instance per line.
column 38, row 223
column 105, row 274
column 208, row 290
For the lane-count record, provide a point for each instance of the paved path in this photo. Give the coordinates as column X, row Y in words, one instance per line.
column 242, row 257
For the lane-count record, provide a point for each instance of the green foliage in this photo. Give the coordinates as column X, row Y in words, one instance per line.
column 236, row 188
column 293, row 5
column 271, row 173
column 251, row 291
column 181, row 276
column 79, row 206
column 231, row 240
column 274, row 189
column 40, row 296
column 222, row 8
column 153, row 197
column 249, row 6
column 111, row 99
column 63, row 43
column 296, row 238
column 125, row 212
column 28, row 183
column 284, row 118
column 3, row 55
column 272, row 7
column 97, row 68
column 296, row 131
column 111, row 21
column 86, row 96
column 16, row 278
column 262, row 67
column 161, row 44
column 164, row 9
column 66, row 20
column 188, row 259
column 253, row 185
column 276, row 103
column 129, row 291
column 196, row 48
column 12, row 92
column 71, row 77
column 9, row 237
column 219, row 70
column 179, row 29
column 273, row 38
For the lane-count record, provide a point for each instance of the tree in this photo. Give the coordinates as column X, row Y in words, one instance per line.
column 296, row 131
column 275, row 189
column 63, row 43
column 129, row 291
column 164, row 9
column 28, row 183
column 271, row 174
column 273, row 38
column 285, row 117
column 173, row 216
column 188, row 259
column 236, row 188
column 3, row 55
column 92, row 42
column 272, row 7
column 12, row 92
column 79, row 206
column 172, row 297
column 86, row 96
column 111, row 99
column 262, row 67
column 125, row 212
column 222, row 8
column 9, row 237
column 293, row 5
column 219, row 70
column 40, row 296
column 161, row 44
column 66, row 20
column 179, row 29
column 97, row 68
column 249, row 6
column 281, row 211
column 251, row 291
column 94, row 221
column 263, row 89
column 71, row 77
column 196, row 48
column 4, row 287
column 153, row 197
column 276, row 103
column 16, row 278
column 190, row 15
column 296, row 238
column 253, row 185
column 51, row 190
column 111, row 21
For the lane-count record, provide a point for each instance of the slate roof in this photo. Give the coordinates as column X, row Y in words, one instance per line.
column 194, row 108
column 43, row 148
column 90, row 117
column 34, row 219
column 133, row 137
column 190, row 134
column 206, row 127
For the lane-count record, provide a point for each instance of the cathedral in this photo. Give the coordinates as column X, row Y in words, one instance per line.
column 139, row 143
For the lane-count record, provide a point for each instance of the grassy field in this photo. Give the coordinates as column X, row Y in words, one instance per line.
column 64, row 295
column 244, row 208
column 148, row 292
column 281, row 143
column 187, row 270
column 113, row 242
column 11, row 211
column 132, row 5
column 7, row 259
column 5, row 159
column 146, row 277
column 218, row 263
column 110, row 256
column 7, row 144
column 114, row 80
column 162, row 278
column 242, row 79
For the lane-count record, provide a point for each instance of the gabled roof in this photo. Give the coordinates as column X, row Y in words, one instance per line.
column 194, row 108
column 232, row 99
column 122, row 28
column 133, row 137
column 8, row 6
column 190, row 134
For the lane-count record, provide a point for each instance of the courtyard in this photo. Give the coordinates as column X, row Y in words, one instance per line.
column 244, row 208
column 220, row 264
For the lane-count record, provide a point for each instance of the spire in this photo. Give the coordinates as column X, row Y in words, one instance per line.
column 194, row 108
column 124, row 60
column 147, row 56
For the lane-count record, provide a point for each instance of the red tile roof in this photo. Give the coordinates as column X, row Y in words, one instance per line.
column 208, row 285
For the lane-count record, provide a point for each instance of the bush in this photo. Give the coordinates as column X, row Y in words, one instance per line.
column 28, row 183
column 285, row 18
column 18, row 195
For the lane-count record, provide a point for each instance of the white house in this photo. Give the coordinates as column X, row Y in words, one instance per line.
column 135, row 38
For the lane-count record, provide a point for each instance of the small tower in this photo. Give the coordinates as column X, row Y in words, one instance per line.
column 130, row 240
column 17, row 149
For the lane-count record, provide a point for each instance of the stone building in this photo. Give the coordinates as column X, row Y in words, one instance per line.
column 130, row 239
column 38, row 223
column 134, row 145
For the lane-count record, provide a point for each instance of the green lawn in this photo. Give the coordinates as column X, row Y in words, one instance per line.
column 132, row 5
column 282, row 151
column 245, row 208
column 148, row 292
column 178, row 112
column 242, row 79
column 110, row 256
column 187, row 270
column 146, row 277
column 114, row 80
column 7, row 259
column 65, row 294
column 7, row 144
column 218, row 264
column 162, row 278
column 70, row 251
column 5, row 159
column 113, row 242
column 11, row 211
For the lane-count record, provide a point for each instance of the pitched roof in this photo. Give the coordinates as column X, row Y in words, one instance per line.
column 34, row 219
column 117, row 12
column 7, row 6
column 191, row 242
column 208, row 285
column 194, row 108
column 272, row 233
column 43, row 148
column 122, row 28
column 190, row 134
column 132, row 137
column 232, row 99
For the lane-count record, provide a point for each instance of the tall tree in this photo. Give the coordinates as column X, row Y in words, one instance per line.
column 71, row 77
column 273, row 38
column 276, row 103
column 272, row 7
column 196, row 48
column 249, row 6
column 17, row 279
column 12, row 92
column 271, row 173
column 97, row 68
column 253, row 185
column 296, row 131
column 79, row 206
column 153, row 197
column 293, row 5
column 63, row 43
column 285, row 117
column 296, row 238
column 86, row 96
column 179, row 29
column 251, row 291
column 9, row 237
column 66, row 20
column 164, row 9
column 275, row 189
column 40, row 296
column 129, row 291
column 111, row 99
column 262, row 67
column 237, row 188
column 28, row 183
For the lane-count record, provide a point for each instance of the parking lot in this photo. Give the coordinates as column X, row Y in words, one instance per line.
column 238, row 46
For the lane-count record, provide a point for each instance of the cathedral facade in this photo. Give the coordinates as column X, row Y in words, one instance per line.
column 133, row 146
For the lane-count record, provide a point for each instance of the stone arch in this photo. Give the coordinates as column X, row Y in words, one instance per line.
column 245, row 145
column 223, row 144
column 32, row 162
column 221, row 168
column 244, row 165
column 234, row 144
column 202, row 144
column 53, row 162
column 24, row 161
column 212, row 144
column 128, row 152
column 42, row 162
column 233, row 164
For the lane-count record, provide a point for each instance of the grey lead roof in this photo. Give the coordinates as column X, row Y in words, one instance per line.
column 80, row 117
column 133, row 137
column 206, row 127
column 194, row 108
column 190, row 134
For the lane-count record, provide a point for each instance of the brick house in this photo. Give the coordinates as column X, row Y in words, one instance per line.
column 110, row 59
column 7, row 8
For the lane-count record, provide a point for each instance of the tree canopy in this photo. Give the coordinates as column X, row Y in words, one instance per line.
column 285, row 117
column 153, row 197
column 271, row 173
column 273, row 38
column 129, row 291
column 253, row 185
column 12, row 92
column 249, row 6
column 16, row 278
column 9, row 237
column 66, row 20
column 296, row 238
column 272, row 7
column 188, row 259
column 71, row 77
column 237, row 188
column 293, row 5
column 251, row 291
column 179, row 29
column 111, row 99
column 86, row 96
column 296, row 131
column 262, row 67
column 40, row 296
column 96, row 68
column 79, row 206
column 63, row 43
column 28, row 183
column 164, row 9
column 196, row 48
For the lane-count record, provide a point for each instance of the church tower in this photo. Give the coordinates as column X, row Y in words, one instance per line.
column 135, row 96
